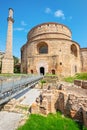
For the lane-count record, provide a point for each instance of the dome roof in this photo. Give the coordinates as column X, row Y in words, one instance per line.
column 49, row 28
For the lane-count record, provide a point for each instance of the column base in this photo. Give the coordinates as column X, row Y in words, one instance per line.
column 8, row 65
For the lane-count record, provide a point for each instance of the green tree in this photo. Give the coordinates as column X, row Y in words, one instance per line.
column 16, row 65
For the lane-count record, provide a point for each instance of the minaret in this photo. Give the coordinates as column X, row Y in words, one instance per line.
column 8, row 62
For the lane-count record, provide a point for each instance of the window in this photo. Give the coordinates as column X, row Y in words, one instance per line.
column 74, row 50
column 75, row 68
column 42, row 48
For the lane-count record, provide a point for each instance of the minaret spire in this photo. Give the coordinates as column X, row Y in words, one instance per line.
column 9, row 33
column 7, row 62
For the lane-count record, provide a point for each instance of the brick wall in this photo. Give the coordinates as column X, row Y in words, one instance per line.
column 81, row 83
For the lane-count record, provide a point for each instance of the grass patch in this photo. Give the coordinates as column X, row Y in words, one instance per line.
column 42, row 81
column 80, row 76
column 51, row 122
column 50, row 74
column 22, row 107
column 69, row 79
column 12, row 75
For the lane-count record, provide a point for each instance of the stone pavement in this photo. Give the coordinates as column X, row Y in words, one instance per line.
column 30, row 96
column 9, row 120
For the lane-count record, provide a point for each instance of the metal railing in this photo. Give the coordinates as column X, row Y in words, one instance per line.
column 10, row 89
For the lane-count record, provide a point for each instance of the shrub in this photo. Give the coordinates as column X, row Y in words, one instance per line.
column 43, row 81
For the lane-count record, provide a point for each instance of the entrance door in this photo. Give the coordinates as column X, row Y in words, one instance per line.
column 42, row 70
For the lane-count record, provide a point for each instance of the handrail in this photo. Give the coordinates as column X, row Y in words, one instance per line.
column 10, row 89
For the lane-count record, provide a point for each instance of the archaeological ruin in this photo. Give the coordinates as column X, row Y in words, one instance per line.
column 50, row 49
column 69, row 99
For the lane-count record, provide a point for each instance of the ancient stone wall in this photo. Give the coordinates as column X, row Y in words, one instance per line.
column 24, row 59
column 59, row 57
column 84, row 59
column 69, row 103
column 81, row 83
column 50, row 28
column 63, row 54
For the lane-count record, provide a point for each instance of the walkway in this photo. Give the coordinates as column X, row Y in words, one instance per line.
column 30, row 96
column 9, row 120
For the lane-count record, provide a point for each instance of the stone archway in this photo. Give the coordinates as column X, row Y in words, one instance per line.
column 43, row 65
column 42, row 70
column 74, row 50
column 42, row 48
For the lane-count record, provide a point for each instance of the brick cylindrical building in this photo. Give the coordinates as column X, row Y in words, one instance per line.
column 84, row 59
column 50, row 49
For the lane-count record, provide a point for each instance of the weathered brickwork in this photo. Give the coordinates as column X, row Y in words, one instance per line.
column 81, row 83
column 49, row 28
column 7, row 61
column 84, row 59
column 50, row 49
column 71, row 101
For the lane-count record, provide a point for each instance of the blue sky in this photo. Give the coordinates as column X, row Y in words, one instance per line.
column 29, row 13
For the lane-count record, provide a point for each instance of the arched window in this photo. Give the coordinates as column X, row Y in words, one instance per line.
column 75, row 68
column 42, row 48
column 74, row 50
column 53, row 71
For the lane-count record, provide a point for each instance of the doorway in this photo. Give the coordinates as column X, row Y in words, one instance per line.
column 32, row 72
column 53, row 71
column 42, row 70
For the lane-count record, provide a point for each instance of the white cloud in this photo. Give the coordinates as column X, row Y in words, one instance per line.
column 48, row 10
column 23, row 23
column 59, row 14
column 18, row 29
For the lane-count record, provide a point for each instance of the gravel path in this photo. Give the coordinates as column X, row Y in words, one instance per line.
column 9, row 120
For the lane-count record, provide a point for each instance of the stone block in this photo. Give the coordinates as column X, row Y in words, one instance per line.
column 78, row 82
column 35, row 108
column 84, row 84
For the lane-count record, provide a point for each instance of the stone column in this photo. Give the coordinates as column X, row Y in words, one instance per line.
column 8, row 62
